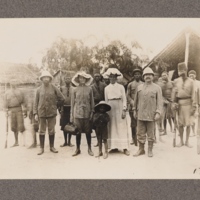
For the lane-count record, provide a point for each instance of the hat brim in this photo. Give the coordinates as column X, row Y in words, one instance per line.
column 148, row 73
column 96, row 108
column 75, row 79
column 137, row 70
column 41, row 77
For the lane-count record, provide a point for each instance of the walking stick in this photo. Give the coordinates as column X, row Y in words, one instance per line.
column 6, row 142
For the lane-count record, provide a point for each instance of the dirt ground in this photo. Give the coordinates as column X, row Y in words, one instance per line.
column 167, row 163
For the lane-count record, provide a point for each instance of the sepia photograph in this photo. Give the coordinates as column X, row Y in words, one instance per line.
column 100, row 98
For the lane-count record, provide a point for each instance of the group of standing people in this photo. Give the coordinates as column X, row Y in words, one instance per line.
column 105, row 107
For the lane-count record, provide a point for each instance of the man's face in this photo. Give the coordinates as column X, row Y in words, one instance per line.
column 46, row 80
column 182, row 73
column 164, row 77
column 107, row 81
column 137, row 76
column 67, row 80
column 148, row 78
column 192, row 76
column 97, row 78
column 156, row 77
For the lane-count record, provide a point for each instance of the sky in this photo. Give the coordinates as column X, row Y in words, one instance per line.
column 27, row 40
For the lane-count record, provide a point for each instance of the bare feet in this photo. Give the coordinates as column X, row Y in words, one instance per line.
column 105, row 155
column 188, row 145
column 15, row 144
column 180, row 144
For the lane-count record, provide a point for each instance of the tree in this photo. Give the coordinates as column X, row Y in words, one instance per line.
column 81, row 55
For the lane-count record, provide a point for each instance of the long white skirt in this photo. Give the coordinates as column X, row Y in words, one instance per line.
column 118, row 128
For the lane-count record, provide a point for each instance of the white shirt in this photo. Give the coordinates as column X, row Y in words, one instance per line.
column 115, row 91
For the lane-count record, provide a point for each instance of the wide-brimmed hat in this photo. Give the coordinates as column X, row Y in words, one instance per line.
column 75, row 79
column 137, row 70
column 107, row 106
column 114, row 71
column 147, row 70
column 46, row 73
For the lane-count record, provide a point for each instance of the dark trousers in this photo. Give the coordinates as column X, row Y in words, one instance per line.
column 84, row 126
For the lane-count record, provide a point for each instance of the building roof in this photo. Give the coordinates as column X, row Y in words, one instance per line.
column 20, row 72
column 174, row 52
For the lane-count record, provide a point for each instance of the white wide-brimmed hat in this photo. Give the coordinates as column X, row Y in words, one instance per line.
column 46, row 73
column 113, row 71
column 88, row 77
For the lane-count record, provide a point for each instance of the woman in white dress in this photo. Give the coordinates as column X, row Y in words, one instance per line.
column 115, row 96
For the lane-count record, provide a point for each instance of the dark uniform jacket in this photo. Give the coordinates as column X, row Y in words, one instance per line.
column 98, row 92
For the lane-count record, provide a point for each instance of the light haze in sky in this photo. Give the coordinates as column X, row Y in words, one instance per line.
column 27, row 40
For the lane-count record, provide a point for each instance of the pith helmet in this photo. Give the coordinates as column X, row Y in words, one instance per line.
column 147, row 70
column 46, row 73
column 137, row 70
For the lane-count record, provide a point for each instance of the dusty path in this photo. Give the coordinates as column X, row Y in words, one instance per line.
column 23, row 163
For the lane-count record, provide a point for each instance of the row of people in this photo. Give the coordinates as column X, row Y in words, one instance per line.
column 148, row 103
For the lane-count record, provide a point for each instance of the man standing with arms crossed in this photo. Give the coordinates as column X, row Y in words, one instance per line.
column 45, row 109
column 147, row 109
column 131, row 90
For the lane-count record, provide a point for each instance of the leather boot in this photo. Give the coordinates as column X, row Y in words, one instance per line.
column 51, row 141
column 65, row 139
column 42, row 138
column 150, row 147
column 77, row 152
column 141, row 150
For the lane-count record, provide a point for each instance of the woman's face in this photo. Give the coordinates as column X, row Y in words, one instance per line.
column 82, row 80
column 113, row 78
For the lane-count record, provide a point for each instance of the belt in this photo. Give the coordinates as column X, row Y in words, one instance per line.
column 114, row 99
column 184, row 98
column 15, row 107
column 186, row 101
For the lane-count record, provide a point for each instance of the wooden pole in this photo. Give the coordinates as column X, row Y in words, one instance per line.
column 187, row 37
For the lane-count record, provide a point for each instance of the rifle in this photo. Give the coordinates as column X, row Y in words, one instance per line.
column 198, row 136
column 6, row 142
column 176, row 127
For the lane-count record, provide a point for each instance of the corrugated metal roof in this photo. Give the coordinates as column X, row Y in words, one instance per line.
column 175, row 51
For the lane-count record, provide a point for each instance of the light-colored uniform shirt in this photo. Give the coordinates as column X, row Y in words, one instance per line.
column 184, row 90
column 14, row 100
column 148, row 101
